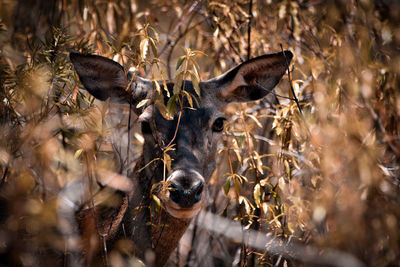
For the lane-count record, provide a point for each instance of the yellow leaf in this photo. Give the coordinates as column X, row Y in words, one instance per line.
column 259, row 163
column 164, row 82
column 254, row 119
column 78, row 153
column 157, row 203
column 167, row 161
column 189, row 98
column 162, row 108
column 144, row 45
column 257, row 194
column 264, row 206
column 195, row 83
column 157, row 85
column 143, row 103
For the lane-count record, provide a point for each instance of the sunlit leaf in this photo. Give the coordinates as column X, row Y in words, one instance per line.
column 164, row 82
column 78, row 153
column 157, row 85
column 180, row 61
column 265, row 208
column 167, row 161
column 287, row 168
column 257, row 195
column 157, row 203
column 259, row 163
column 143, row 103
column 144, row 45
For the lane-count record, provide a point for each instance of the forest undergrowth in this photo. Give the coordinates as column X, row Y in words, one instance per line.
column 315, row 164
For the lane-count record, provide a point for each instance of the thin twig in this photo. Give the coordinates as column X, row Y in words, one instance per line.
column 249, row 30
column 173, row 44
column 270, row 91
column 129, row 133
column 231, row 45
column 194, row 235
column 290, row 82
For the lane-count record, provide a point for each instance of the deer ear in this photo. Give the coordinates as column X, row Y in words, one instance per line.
column 102, row 77
column 252, row 79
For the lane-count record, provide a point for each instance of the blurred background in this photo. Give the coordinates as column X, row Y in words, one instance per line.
column 316, row 164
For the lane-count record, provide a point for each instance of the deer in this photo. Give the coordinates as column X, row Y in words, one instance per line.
column 194, row 133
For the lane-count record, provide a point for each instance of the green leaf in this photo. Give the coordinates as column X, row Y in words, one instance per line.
column 171, row 105
column 180, row 61
column 195, row 83
column 227, row 186
column 178, row 83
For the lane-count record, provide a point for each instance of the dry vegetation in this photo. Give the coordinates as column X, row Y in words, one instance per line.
column 322, row 171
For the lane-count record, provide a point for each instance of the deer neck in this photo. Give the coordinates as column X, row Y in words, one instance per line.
column 149, row 230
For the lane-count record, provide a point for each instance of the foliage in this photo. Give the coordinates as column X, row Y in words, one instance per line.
column 324, row 173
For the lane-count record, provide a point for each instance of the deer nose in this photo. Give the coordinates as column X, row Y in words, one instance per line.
column 185, row 196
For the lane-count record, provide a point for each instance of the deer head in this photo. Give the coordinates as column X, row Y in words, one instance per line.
column 194, row 132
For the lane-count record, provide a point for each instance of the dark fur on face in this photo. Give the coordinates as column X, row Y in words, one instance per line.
column 193, row 134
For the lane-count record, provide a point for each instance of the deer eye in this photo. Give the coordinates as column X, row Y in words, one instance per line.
column 218, row 124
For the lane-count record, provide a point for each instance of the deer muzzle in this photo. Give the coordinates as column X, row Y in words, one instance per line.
column 186, row 193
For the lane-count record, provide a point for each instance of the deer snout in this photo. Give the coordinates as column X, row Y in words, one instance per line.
column 186, row 193
column 186, row 197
